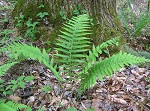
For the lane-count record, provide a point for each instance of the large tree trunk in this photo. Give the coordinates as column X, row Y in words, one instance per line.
column 103, row 12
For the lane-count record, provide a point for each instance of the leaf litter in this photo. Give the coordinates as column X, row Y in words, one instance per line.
column 127, row 90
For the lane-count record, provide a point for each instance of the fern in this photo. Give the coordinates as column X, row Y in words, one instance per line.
column 107, row 67
column 144, row 54
column 73, row 41
column 123, row 19
column 138, row 26
column 11, row 106
column 24, row 51
column 5, row 67
column 142, row 22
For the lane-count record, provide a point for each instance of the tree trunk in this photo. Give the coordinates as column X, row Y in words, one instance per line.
column 103, row 12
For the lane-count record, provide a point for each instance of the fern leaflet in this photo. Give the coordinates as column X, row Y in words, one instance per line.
column 11, row 106
column 5, row 67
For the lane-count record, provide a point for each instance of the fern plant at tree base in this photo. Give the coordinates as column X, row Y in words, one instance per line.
column 73, row 46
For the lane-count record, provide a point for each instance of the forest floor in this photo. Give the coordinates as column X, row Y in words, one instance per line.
column 127, row 90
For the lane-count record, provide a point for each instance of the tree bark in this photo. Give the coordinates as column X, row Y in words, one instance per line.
column 103, row 12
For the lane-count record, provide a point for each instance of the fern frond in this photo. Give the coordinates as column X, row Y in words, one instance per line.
column 142, row 22
column 73, row 42
column 5, row 67
column 144, row 54
column 96, row 51
column 108, row 66
column 11, row 106
column 123, row 19
column 24, row 51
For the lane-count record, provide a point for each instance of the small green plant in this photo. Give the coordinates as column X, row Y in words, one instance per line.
column 73, row 43
column 20, row 82
column 62, row 15
column 5, row 33
column 15, row 84
column 138, row 25
column 19, row 20
column 42, row 14
column 11, row 106
column 78, row 11
column 4, row 20
column 47, row 88
column 41, row 6
column 31, row 29
column 5, row 7
column 71, row 109
column 147, row 79
column 3, row 90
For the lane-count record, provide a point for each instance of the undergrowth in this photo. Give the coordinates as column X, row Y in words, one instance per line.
column 73, row 46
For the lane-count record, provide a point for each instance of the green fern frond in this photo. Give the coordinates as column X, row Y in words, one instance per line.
column 144, row 54
column 142, row 22
column 24, row 51
column 11, row 106
column 96, row 51
column 73, row 42
column 139, row 25
column 108, row 66
column 123, row 19
column 5, row 67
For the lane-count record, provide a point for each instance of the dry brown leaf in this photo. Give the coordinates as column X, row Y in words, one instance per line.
column 1, row 63
column 15, row 98
column 65, row 102
column 116, row 87
column 126, row 97
column 95, row 104
column 114, row 98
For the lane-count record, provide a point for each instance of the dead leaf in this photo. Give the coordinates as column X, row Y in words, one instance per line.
column 114, row 98
column 15, row 98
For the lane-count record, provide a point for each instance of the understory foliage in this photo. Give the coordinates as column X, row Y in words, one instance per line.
column 139, row 24
column 5, row 67
column 19, row 52
column 11, row 106
column 74, row 53
column 73, row 46
column 73, row 42
column 107, row 67
column 144, row 54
